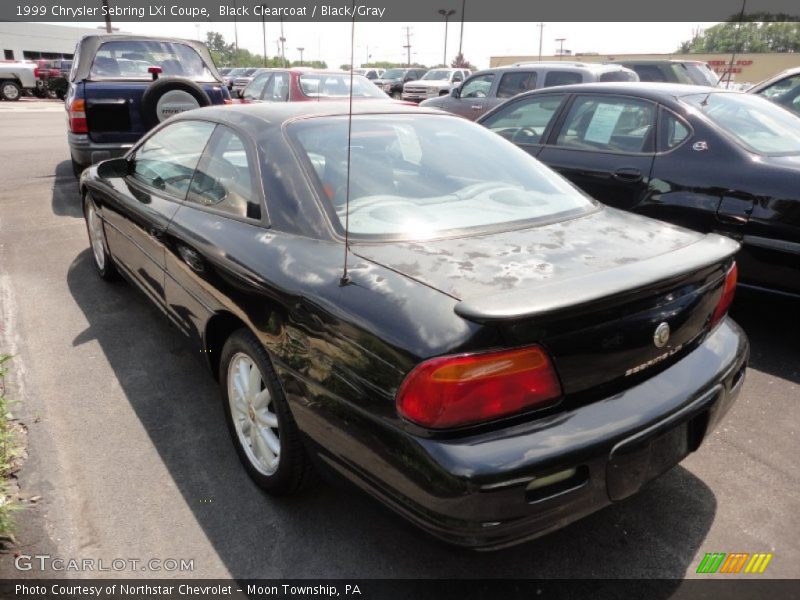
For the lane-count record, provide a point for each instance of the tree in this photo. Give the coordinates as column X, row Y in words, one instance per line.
column 459, row 62
column 752, row 36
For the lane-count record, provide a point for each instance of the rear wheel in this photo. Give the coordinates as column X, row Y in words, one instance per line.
column 258, row 417
column 97, row 240
column 10, row 90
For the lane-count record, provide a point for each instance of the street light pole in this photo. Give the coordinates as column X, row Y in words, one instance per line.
column 301, row 55
column 561, row 51
column 264, row 31
column 283, row 47
column 446, row 14
column 108, row 16
column 541, row 33
column 461, row 36
column 235, row 29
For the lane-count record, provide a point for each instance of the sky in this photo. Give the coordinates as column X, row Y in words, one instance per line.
column 385, row 41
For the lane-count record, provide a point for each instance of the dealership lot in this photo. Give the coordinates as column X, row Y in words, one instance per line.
column 128, row 448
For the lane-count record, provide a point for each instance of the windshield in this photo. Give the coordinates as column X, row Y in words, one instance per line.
column 131, row 59
column 437, row 74
column 236, row 72
column 337, row 85
column 419, row 176
column 757, row 124
column 249, row 72
column 393, row 74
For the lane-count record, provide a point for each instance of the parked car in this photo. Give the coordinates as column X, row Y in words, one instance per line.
column 693, row 72
column 392, row 80
column 370, row 73
column 225, row 70
column 122, row 85
column 701, row 157
column 58, row 82
column 490, row 87
column 436, row 82
column 298, row 84
column 232, row 74
column 17, row 78
column 501, row 356
column 783, row 89
column 241, row 81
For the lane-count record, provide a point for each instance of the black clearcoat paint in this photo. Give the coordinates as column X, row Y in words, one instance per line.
column 341, row 351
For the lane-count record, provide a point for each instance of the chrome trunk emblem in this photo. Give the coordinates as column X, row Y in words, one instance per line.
column 661, row 335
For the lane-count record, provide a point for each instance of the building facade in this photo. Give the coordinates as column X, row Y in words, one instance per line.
column 31, row 41
column 748, row 67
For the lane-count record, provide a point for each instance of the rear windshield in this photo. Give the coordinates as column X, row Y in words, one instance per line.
column 701, row 74
column 131, row 59
column 420, row 176
column 754, row 122
column 394, row 74
column 337, row 85
column 620, row 75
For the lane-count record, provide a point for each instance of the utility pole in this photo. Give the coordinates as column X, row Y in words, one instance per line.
column 461, row 36
column 235, row 29
column 561, row 51
column 108, row 16
column 541, row 33
column 408, row 46
column 264, row 31
column 283, row 46
column 301, row 55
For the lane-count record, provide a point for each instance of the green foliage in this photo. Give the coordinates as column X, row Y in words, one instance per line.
column 8, row 451
column 459, row 62
column 754, row 36
column 226, row 55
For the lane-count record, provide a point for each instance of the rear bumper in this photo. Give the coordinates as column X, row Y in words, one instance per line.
column 86, row 152
column 473, row 491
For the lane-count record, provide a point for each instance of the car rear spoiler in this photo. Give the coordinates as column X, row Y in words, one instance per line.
column 564, row 294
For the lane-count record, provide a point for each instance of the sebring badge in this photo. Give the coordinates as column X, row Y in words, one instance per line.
column 661, row 336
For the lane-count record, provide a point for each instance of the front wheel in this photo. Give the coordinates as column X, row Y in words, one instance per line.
column 10, row 90
column 97, row 240
column 258, row 417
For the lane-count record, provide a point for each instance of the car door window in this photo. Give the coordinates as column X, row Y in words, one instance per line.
column 525, row 121
column 672, row 132
column 515, row 83
column 256, row 87
column 278, row 88
column 478, row 86
column 166, row 161
column 649, row 72
column 609, row 124
column 225, row 177
column 562, row 78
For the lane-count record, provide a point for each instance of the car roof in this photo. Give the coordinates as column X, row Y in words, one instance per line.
column 657, row 91
column 275, row 114
column 655, row 61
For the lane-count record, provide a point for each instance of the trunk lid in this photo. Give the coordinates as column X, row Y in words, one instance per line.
column 592, row 290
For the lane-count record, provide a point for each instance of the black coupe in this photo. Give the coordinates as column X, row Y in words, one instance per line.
column 502, row 355
column 700, row 157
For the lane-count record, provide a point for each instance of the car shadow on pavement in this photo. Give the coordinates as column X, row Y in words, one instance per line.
column 773, row 327
column 335, row 531
column 66, row 200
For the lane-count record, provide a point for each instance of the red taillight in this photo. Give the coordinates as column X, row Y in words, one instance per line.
column 459, row 390
column 36, row 72
column 728, row 290
column 77, row 116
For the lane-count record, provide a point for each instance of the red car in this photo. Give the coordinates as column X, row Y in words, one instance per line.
column 302, row 85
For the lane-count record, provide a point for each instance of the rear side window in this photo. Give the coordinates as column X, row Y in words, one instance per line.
column 525, row 121
column 649, row 73
column 673, row 131
column 225, row 177
column 562, row 78
column 166, row 161
column 512, row 84
column 608, row 123
column 278, row 88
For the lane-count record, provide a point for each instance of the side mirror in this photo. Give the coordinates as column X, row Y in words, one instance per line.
column 456, row 92
column 114, row 167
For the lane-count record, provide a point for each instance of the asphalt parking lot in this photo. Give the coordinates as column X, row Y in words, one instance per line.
column 129, row 452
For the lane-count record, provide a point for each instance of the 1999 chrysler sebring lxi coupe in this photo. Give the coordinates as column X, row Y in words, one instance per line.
column 503, row 354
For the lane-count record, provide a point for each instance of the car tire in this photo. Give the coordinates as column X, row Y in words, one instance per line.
column 397, row 95
column 77, row 168
column 156, row 91
column 97, row 241
column 10, row 90
column 260, row 423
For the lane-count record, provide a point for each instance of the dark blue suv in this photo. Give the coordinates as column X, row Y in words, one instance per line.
column 121, row 86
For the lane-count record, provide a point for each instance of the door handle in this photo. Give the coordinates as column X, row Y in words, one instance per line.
column 627, row 175
column 476, row 107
